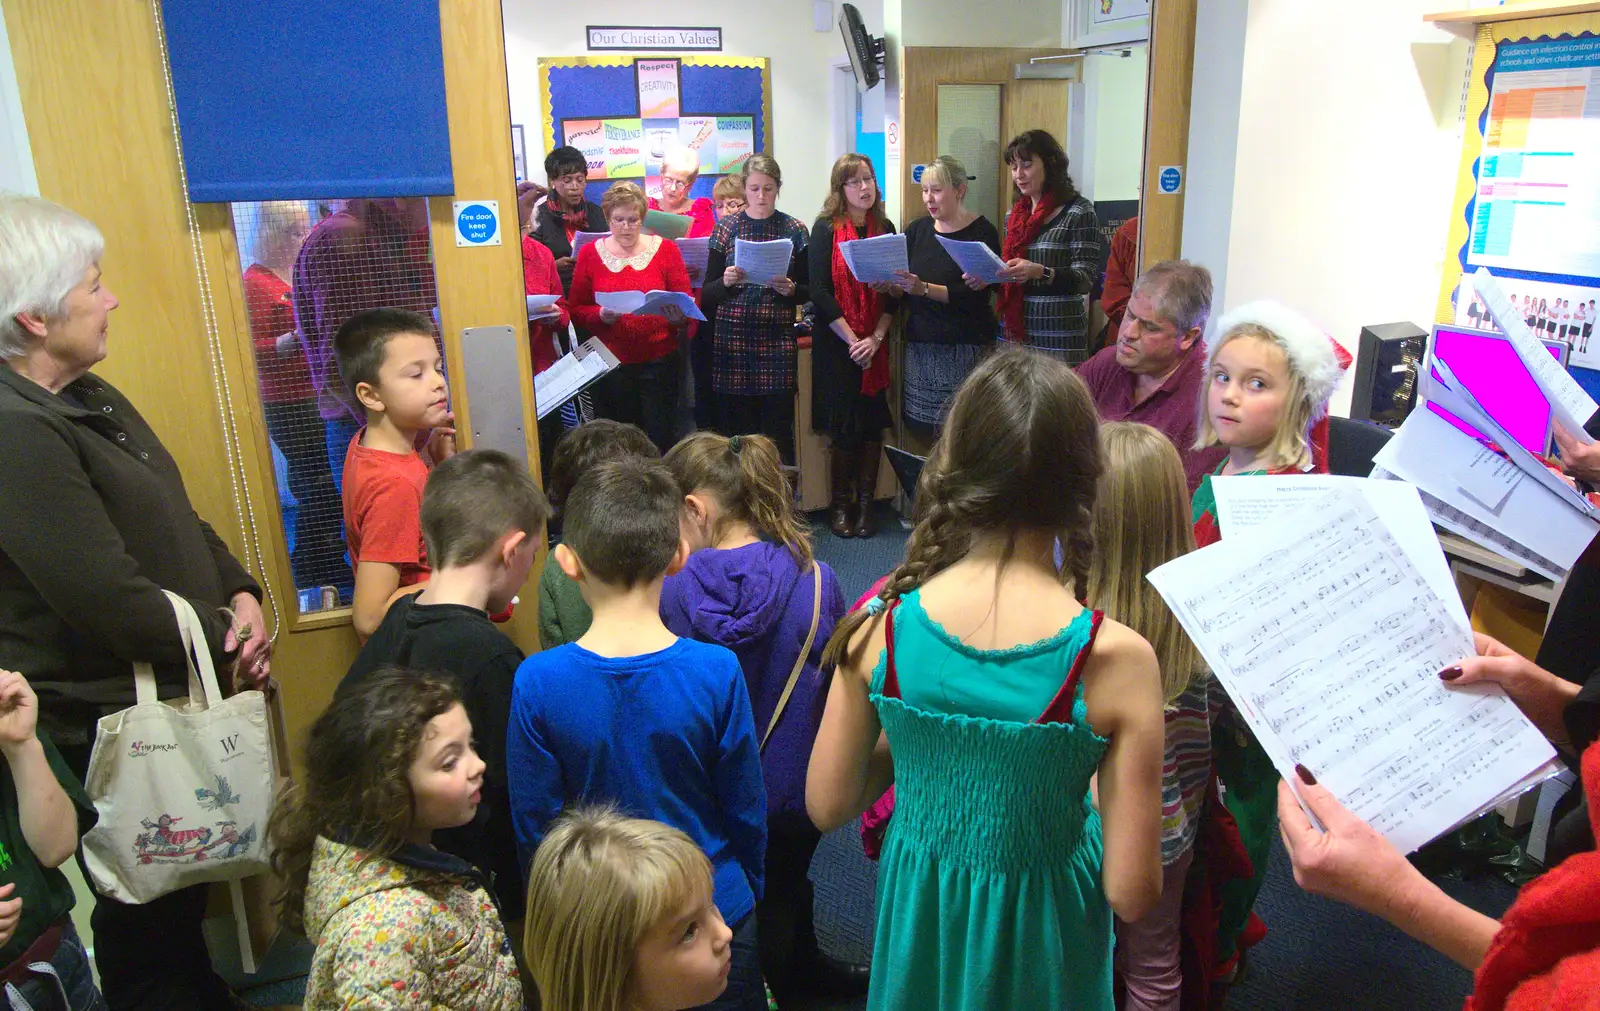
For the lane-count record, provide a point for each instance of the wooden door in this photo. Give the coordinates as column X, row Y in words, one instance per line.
column 102, row 132
column 1024, row 105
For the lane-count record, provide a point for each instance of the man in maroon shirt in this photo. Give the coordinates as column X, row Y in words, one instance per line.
column 1155, row 370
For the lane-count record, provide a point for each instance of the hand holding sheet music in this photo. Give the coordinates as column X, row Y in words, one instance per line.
column 648, row 303
column 875, row 260
column 695, row 254
column 763, row 262
column 1329, row 640
column 975, row 259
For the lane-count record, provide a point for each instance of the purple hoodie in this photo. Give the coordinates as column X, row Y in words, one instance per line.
column 755, row 601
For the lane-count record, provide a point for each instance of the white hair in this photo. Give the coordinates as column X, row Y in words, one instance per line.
column 683, row 161
column 44, row 250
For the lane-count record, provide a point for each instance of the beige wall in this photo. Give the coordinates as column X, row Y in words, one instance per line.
column 1343, row 158
column 1114, row 104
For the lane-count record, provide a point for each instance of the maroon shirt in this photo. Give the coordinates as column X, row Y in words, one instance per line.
column 1173, row 409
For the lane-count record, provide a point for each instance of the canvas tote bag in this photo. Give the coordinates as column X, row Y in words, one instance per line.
column 183, row 788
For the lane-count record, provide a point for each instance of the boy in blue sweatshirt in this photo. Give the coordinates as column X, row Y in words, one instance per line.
column 632, row 715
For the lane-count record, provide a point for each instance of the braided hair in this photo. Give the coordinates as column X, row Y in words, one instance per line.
column 1020, row 451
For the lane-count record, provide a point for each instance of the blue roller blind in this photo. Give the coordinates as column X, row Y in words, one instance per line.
column 299, row 99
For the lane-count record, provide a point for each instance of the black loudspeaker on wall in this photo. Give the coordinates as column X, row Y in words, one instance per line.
column 1386, row 372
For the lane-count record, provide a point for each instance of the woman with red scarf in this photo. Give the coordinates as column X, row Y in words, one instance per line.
column 1544, row 953
column 1052, row 252
column 849, row 363
column 566, row 212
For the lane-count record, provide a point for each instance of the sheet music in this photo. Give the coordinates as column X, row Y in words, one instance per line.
column 1330, row 641
column 667, row 225
column 874, row 260
column 975, row 259
column 569, row 374
column 642, row 303
column 695, row 254
column 581, row 239
column 1262, row 500
column 763, row 262
column 1572, row 404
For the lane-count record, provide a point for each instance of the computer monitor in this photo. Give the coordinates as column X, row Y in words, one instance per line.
column 1488, row 365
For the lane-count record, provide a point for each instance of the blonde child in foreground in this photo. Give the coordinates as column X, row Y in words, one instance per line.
column 396, row 922
column 1269, row 374
column 620, row 917
column 1141, row 521
column 1001, row 696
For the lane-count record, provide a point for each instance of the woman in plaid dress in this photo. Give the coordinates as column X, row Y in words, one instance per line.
column 1052, row 251
column 753, row 345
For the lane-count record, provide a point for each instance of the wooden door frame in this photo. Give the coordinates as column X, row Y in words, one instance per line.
column 1166, row 128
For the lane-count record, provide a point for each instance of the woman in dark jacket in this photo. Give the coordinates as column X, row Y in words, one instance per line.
column 565, row 212
column 94, row 524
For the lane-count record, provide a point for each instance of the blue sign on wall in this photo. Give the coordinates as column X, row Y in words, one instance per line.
column 477, row 222
column 1170, row 178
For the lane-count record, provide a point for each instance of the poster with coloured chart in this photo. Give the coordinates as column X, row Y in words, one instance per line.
column 1538, row 195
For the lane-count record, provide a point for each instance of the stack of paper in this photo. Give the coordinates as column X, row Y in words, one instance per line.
column 540, row 306
column 1328, row 627
column 1493, row 491
column 647, row 303
column 875, row 260
column 570, row 374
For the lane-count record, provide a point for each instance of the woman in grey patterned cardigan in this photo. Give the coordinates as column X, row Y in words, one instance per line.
column 1052, row 252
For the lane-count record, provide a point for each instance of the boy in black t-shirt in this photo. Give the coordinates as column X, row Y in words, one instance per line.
column 43, row 811
column 482, row 518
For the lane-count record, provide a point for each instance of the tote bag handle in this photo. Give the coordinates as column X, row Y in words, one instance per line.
column 203, row 690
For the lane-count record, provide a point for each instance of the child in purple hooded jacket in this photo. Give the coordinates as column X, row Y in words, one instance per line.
column 749, row 586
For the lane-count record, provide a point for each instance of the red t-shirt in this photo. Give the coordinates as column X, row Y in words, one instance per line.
column 383, row 509
column 539, row 277
column 283, row 379
column 632, row 339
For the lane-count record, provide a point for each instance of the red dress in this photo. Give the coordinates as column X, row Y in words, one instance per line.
column 633, row 339
column 539, row 277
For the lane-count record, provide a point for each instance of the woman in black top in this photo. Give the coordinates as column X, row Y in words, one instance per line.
column 949, row 325
column 565, row 212
column 849, row 363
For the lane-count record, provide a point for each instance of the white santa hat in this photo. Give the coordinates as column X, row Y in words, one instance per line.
column 1311, row 352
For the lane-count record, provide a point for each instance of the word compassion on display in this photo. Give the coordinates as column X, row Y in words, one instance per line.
column 642, row 37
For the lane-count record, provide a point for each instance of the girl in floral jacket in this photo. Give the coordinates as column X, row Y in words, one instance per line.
column 397, row 923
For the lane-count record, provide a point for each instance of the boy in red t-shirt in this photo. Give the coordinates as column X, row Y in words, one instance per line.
column 390, row 362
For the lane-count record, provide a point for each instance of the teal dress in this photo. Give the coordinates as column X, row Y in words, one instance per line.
column 989, row 888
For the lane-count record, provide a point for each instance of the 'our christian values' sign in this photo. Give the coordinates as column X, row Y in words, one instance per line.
column 642, row 37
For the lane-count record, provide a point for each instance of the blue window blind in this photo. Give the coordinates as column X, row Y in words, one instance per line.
column 301, row 99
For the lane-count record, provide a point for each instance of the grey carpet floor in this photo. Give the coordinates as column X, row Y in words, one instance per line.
column 1317, row 956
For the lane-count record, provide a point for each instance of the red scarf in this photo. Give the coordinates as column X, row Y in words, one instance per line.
column 861, row 306
column 1023, row 225
column 574, row 221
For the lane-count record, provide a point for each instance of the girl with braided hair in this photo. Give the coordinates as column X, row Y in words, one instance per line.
column 999, row 696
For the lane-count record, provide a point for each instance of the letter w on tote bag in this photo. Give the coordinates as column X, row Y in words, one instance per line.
column 184, row 787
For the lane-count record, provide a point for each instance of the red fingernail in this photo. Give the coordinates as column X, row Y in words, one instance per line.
column 1305, row 775
column 1450, row 673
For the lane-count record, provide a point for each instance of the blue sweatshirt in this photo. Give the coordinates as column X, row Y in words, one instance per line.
column 666, row 736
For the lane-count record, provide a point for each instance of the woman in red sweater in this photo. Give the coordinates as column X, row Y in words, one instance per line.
column 679, row 170
column 547, row 332
column 645, row 389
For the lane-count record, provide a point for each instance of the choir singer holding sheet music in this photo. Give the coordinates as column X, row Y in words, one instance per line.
column 753, row 352
column 849, row 362
column 644, row 390
column 1543, row 953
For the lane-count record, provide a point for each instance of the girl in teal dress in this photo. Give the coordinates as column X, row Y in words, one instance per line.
column 1000, row 697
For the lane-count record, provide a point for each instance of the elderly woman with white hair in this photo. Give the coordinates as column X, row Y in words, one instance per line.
column 679, row 170
column 94, row 524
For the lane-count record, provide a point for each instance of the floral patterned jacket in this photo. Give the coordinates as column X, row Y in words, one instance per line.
column 417, row 930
